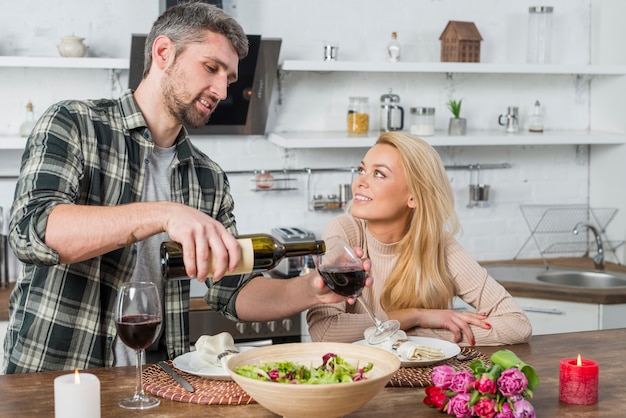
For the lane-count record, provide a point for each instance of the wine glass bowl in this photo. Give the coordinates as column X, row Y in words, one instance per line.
column 138, row 322
column 341, row 269
column 343, row 273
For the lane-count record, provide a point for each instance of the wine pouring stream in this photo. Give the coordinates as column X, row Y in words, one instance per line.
column 343, row 273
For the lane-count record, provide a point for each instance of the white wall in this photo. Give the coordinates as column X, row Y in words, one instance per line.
column 539, row 174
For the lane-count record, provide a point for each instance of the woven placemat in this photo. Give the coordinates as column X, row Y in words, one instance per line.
column 416, row 377
column 206, row 391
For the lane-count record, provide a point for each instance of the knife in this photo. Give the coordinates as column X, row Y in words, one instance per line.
column 178, row 378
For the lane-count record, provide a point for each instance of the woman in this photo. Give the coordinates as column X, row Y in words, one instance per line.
column 402, row 215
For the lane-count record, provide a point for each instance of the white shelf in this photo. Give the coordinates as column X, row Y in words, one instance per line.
column 62, row 62
column 452, row 67
column 14, row 142
column 341, row 139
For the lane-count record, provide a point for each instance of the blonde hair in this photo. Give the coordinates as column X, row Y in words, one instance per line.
column 420, row 278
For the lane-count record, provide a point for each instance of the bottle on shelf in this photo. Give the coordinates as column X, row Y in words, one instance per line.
column 535, row 123
column 393, row 48
column 29, row 122
column 259, row 252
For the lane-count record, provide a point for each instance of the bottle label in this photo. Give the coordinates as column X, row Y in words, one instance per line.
column 247, row 256
column 246, row 263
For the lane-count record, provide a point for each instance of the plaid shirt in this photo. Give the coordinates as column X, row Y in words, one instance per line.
column 93, row 153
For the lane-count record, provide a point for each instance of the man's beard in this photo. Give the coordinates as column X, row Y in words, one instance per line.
column 185, row 113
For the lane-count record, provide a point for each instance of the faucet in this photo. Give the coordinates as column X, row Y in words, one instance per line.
column 598, row 259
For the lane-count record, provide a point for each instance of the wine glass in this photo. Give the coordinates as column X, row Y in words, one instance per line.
column 138, row 320
column 343, row 273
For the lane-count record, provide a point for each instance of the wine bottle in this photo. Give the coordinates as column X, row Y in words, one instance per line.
column 259, row 252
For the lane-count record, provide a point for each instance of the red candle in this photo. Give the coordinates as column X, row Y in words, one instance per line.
column 578, row 381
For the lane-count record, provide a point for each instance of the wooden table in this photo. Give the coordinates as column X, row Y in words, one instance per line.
column 32, row 395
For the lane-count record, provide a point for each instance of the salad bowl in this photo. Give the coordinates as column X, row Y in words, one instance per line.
column 324, row 400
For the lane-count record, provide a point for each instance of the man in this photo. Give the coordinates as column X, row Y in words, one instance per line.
column 104, row 182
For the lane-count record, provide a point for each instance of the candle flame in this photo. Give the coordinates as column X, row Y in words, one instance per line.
column 579, row 361
column 77, row 376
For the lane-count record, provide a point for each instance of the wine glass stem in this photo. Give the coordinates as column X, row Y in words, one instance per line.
column 139, row 393
column 369, row 311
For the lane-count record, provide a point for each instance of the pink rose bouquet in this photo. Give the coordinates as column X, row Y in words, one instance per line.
column 499, row 391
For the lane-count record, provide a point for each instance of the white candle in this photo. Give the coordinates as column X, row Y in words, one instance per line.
column 77, row 395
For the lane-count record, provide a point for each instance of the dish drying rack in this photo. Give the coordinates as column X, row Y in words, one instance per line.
column 551, row 228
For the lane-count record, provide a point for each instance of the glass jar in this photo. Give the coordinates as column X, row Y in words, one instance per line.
column 358, row 115
column 535, row 123
column 264, row 180
column 423, row 121
column 539, row 34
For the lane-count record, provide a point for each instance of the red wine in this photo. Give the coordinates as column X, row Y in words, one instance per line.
column 138, row 331
column 344, row 281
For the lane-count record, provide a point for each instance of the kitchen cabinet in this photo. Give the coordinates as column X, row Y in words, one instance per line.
column 113, row 65
column 342, row 139
column 556, row 316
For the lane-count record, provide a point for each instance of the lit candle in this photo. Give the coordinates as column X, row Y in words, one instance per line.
column 578, row 381
column 77, row 395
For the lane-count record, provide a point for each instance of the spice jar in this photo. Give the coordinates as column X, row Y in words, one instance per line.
column 264, row 180
column 423, row 121
column 358, row 115
column 535, row 123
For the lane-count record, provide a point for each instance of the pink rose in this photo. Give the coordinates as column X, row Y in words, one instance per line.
column 523, row 409
column 462, row 382
column 485, row 408
column 459, row 406
column 485, row 384
column 442, row 376
column 506, row 411
column 512, row 382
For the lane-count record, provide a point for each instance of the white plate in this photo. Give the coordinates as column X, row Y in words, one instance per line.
column 192, row 363
column 449, row 350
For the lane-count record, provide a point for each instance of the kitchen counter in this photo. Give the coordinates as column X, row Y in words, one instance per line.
column 605, row 296
column 32, row 394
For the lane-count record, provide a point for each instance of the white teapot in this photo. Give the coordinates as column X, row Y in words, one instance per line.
column 72, row 46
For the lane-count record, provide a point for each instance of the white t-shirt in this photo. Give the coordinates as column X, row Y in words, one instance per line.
column 148, row 267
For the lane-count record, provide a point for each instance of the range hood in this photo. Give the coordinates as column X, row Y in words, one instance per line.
column 246, row 109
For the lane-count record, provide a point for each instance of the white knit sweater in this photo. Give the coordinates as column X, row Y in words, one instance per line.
column 345, row 323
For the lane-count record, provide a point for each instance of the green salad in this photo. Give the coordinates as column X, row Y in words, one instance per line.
column 334, row 369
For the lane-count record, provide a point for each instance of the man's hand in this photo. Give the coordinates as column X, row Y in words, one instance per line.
column 208, row 248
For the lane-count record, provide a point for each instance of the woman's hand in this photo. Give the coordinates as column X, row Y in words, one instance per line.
column 456, row 322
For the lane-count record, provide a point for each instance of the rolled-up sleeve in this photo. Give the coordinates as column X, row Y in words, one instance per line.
column 50, row 170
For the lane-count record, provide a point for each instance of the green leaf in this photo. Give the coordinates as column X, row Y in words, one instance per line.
column 455, row 107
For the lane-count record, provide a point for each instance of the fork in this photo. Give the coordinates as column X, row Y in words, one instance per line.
column 463, row 357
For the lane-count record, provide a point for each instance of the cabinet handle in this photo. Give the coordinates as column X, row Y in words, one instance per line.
column 552, row 311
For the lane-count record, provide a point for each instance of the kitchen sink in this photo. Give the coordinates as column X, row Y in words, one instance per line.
column 586, row 279
column 557, row 276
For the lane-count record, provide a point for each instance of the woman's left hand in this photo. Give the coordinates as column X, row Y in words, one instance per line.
column 456, row 322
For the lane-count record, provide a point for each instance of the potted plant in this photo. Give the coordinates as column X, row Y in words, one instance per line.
column 458, row 125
